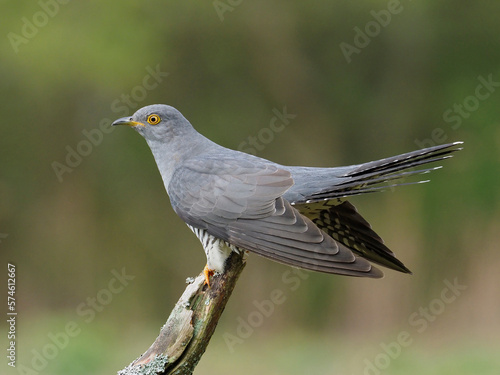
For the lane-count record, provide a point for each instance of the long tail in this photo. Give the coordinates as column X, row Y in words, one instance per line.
column 340, row 219
column 373, row 176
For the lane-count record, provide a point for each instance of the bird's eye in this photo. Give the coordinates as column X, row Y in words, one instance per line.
column 154, row 119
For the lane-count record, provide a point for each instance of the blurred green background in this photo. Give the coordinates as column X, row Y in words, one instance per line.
column 365, row 79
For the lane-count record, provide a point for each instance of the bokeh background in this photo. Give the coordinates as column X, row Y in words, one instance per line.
column 73, row 212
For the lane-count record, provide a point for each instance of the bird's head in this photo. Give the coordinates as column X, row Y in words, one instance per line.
column 157, row 122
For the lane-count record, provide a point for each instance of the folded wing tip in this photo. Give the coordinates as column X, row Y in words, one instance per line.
column 375, row 273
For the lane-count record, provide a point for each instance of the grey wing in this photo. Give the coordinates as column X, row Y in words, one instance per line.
column 341, row 221
column 240, row 202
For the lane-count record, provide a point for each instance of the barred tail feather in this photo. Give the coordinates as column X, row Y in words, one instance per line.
column 368, row 177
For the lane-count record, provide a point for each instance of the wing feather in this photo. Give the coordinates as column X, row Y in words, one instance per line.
column 241, row 203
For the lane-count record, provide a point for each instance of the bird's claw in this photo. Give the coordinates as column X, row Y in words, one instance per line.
column 207, row 272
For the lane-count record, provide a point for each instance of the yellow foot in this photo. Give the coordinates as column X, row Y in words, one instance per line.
column 207, row 272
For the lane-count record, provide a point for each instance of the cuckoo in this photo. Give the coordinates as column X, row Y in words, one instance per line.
column 299, row 216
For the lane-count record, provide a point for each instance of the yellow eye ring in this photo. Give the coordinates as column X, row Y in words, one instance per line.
column 154, row 119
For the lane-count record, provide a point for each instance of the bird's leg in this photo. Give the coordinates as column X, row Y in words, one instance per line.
column 207, row 272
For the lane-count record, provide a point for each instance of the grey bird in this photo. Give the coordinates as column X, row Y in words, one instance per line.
column 298, row 216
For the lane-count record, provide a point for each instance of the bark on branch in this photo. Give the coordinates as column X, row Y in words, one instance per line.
column 187, row 332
